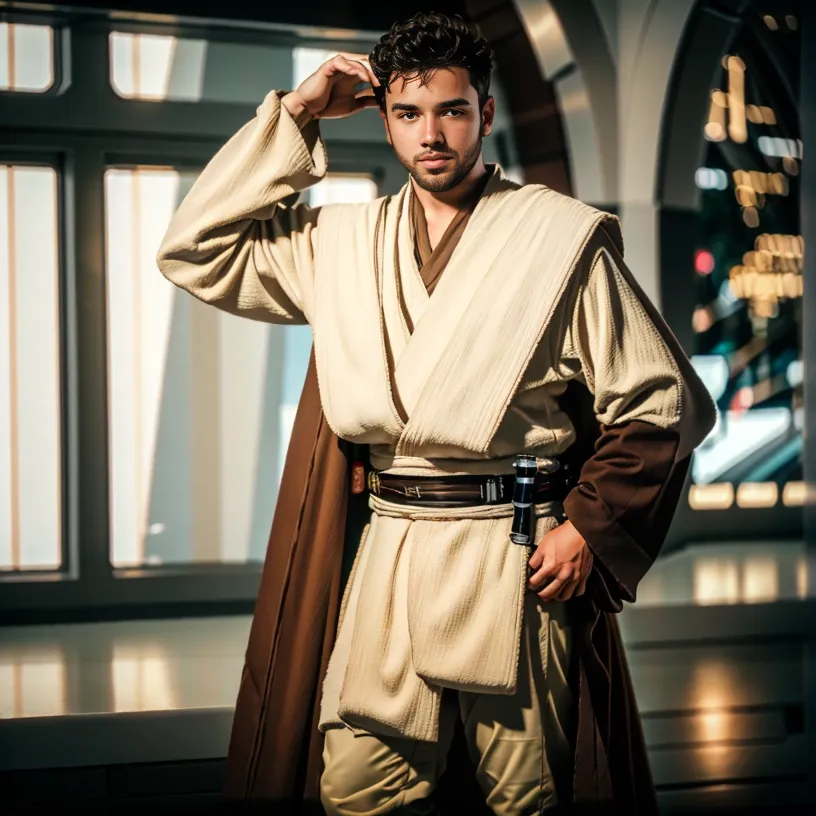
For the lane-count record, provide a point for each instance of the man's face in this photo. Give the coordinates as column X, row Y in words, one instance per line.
column 436, row 129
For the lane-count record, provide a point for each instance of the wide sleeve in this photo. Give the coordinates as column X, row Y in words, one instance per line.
column 232, row 242
column 653, row 410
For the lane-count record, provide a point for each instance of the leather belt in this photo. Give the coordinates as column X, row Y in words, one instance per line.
column 460, row 491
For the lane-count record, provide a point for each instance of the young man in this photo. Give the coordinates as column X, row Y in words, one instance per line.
column 453, row 324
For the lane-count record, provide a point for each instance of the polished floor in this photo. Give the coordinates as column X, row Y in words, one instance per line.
column 719, row 644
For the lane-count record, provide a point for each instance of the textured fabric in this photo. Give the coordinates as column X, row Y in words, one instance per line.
column 436, row 600
column 229, row 243
column 520, row 743
column 525, row 251
column 614, row 504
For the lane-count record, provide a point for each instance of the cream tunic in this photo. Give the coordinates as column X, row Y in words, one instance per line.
column 535, row 294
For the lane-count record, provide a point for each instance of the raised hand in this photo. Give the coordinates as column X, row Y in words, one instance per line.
column 333, row 91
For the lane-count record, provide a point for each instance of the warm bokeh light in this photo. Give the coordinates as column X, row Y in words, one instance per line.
column 770, row 272
column 802, row 578
column 794, row 494
column 757, row 494
column 716, row 496
column 702, row 319
column 790, row 165
column 751, row 217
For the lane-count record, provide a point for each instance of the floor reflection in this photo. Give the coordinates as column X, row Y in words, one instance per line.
column 715, row 574
column 142, row 682
column 33, row 685
column 120, row 667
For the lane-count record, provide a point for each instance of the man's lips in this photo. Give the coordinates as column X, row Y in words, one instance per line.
column 435, row 161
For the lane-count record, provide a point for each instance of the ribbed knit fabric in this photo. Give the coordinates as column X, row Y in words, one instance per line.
column 435, row 600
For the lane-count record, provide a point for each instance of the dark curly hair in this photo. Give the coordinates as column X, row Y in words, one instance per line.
column 426, row 42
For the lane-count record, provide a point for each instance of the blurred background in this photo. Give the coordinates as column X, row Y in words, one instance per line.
column 142, row 434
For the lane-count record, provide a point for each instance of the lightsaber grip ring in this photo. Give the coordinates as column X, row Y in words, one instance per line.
column 521, row 532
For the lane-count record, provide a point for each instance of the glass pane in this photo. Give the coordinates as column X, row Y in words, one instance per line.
column 26, row 57
column 30, row 461
column 157, row 67
column 201, row 402
column 305, row 61
column 748, row 277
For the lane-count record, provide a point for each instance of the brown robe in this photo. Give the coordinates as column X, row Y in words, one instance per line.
column 628, row 491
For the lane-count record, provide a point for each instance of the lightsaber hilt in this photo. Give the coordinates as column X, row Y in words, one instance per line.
column 523, row 491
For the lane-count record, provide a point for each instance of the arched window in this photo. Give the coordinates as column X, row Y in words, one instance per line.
column 745, row 265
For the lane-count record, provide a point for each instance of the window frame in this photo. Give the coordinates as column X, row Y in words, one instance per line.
column 179, row 134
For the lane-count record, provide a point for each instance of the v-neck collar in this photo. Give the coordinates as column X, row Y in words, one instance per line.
column 432, row 262
column 412, row 349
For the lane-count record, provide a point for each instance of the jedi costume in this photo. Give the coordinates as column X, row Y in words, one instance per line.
column 527, row 334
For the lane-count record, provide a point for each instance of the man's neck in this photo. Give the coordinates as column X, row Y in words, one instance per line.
column 445, row 205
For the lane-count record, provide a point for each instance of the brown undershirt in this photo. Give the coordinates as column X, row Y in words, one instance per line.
column 432, row 262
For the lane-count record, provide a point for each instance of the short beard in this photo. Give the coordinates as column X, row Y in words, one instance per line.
column 447, row 180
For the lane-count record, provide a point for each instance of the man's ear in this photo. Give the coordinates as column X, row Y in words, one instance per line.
column 488, row 114
column 385, row 122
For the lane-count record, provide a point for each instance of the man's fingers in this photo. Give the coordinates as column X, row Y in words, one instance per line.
column 554, row 589
column 539, row 578
column 360, row 65
column 341, row 65
column 365, row 92
column 351, row 55
column 564, row 574
column 363, row 60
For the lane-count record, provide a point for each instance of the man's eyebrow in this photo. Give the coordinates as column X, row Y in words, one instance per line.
column 459, row 102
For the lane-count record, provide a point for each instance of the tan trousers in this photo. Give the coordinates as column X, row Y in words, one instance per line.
column 518, row 743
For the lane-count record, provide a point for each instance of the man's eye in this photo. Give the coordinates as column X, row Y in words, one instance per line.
column 406, row 115
column 455, row 113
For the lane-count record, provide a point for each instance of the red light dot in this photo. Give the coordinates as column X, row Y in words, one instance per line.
column 743, row 400
column 703, row 262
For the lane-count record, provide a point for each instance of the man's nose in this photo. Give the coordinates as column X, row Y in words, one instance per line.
column 431, row 134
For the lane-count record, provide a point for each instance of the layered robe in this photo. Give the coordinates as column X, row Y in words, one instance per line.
column 536, row 338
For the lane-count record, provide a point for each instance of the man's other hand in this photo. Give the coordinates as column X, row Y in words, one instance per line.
column 561, row 564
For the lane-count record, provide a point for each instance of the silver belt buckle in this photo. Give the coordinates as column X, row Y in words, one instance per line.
column 492, row 486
